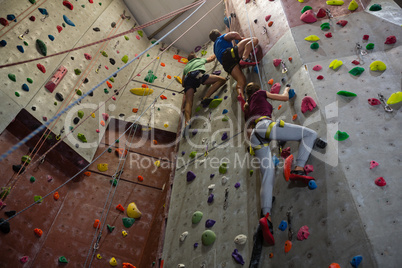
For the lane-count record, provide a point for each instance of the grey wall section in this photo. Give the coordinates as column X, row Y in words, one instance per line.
column 347, row 214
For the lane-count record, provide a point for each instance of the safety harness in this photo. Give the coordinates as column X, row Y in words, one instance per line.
column 262, row 140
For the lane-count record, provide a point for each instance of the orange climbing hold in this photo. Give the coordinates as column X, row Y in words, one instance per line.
column 334, row 265
column 96, row 223
column 290, row 59
column 155, row 142
column 121, row 152
column 279, row 107
column 271, row 255
column 38, row 232
column 169, row 77
column 288, row 246
column 109, row 84
column 56, row 196
column 144, row 86
column 162, row 64
column 271, row 81
column 120, row 208
column 163, row 97
column 102, row 123
column 87, row 173
column 294, row 117
column 135, row 110
column 140, row 178
column 270, row 23
column 128, row 265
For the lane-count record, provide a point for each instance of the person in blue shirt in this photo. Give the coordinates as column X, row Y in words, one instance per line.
column 232, row 57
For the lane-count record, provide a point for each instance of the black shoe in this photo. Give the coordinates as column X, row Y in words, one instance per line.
column 206, row 102
column 258, row 241
column 298, row 172
column 320, row 143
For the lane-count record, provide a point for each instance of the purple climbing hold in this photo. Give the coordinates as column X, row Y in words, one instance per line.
column 211, row 176
column 195, row 245
column 225, row 97
column 209, row 223
column 197, row 48
column 237, row 185
column 190, row 176
column 238, row 258
column 195, row 131
column 183, row 153
column 224, row 136
column 211, row 198
column 218, row 72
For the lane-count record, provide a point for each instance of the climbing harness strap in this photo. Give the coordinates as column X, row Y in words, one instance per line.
column 232, row 53
column 261, row 139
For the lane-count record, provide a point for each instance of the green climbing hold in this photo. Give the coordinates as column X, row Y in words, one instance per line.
column 325, row 26
column 305, row 9
column 79, row 92
column 113, row 182
column 83, row 6
column 104, row 53
column 375, row 7
column 30, row 80
column 17, row 94
column 356, row 71
column 346, row 93
column 215, row 103
column 223, row 168
column 225, row 118
column 193, row 154
column 100, row 3
column 110, row 228
column 109, row 150
column 395, row 98
column 148, row 55
column 251, row 172
column 126, row 37
column 26, row 159
column 63, row 259
column 203, row 52
column 111, row 79
column 150, row 77
column 55, row 103
column 208, row 237
column 42, row 47
column 38, row 198
column 32, row 1
column 341, row 136
column 314, row 45
column 370, row 46
column 197, row 216
column 25, row 43
column 77, row 71
column 197, row 109
column 153, row 42
column 32, row 179
column 12, row 77
column 106, row 91
column 140, row 33
column 64, row 25
column 128, row 222
column 117, row 141
column 124, row 59
column 81, row 137
column 80, row 114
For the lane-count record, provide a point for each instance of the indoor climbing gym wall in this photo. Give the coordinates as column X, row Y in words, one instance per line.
column 341, row 59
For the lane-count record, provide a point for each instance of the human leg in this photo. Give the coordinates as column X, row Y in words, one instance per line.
column 246, row 46
column 238, row 75
column 189, row 95
column 216, row 81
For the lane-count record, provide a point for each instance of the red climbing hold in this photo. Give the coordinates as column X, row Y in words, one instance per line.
column 96, row 223
column 163, row 97
column 308, row 16
column 38, row 232
column 373, row 164
column 270, row 23
column 267, row 18
column 59, row 28
column 390, row 40
column 68, row 5
column 342, row 23
column 277, row 62
column 328, row 35
column 320, row 77
column 3, row 22
column 308, row 104
column 285, row 152
column 308, row 169
column 356, row 62
column 32, row 18
column 366, row 37
column 290, row 58
column 91, row 1
column 380, row 181
column 87, row 173
column 374, row 101
column 275, row 88
column 321, row 13
column 87, row 56
column 105, row 116
column 140, row 178
column 120, row 208
column 109, row 84
column 41, row 68
column 128, row 265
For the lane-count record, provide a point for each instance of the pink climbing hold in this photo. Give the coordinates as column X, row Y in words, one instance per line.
column 113, row 98
column 380, row 181
column 373, row 164
column 117, row 51
column 285, row 152
column 374, row 101
column 97, row 131
column 275, row 88
column 59, row 28
column 342, row 23
column 24, row 259
column 308, row 16
column 91, row 1
column 87, row 56
column 328, row 35
column 277, row 62
column 107, row 68
column 308, row 169
column 317, row 67
column 303, row 233
column 321, row 13
column 356, row 62
column 390, row 40
column 105, row 116
column 366, row 37
column 308, row 104
column 138, row 37
column 320, row 77
column 267, row 18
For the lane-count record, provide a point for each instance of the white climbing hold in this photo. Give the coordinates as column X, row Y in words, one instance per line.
column 183, row 236
column 211, row 187
column 240, row 239
column 224, row 180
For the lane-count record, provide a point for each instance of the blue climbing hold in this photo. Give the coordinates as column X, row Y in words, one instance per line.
column 216, row 97
column 312, row 185
column 283, row 225
column 11, row 17
column 275, row 160
column 3, row 43
column 255, row 69
column 227, row 21
column 20, row 48
column 25, row 87
column 356, row 261
column 43, row 11
column 225, row 111
column 51, row 37
column 292, row 93
column 68, row 21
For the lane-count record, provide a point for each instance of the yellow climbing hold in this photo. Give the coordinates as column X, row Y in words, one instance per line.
column 93, row 115
column 113, row 262
column 124, row 233
column 133, row 211
column 102, row 167
column 166, row 125
column 335, row 64
column 353, row 5
column 178, row 79
column 99, row 256
column 157, row 163
column 301, row 1
column 312, row 38
column 335, row 3
column 184, row 60
column 378, row 66
column 142, row 91
column 395, row 98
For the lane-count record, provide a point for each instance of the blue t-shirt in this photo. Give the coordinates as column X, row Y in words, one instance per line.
column 220, row 46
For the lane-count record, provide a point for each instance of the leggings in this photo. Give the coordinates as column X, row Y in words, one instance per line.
column 289, row 132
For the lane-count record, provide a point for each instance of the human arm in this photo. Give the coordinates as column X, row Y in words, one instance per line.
column 232, row 36
column 280, row 97
column 211, row 58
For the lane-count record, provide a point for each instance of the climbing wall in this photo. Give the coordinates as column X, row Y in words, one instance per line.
column 347, row 214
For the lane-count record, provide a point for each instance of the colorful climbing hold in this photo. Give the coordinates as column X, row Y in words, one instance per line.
column 102, row 167
column 341, row 136
column 294, row 117
column 223, row 168
column 303, row 233
column 378, row 66
column 335, row 3
column 3, row 43
column 373, row 164
column 375, row 7
column 275, row 88
column 38, row 232
column 32, row 179
column 355, row 262
column 308, row 104
column 38, row 198
column 288, row 246
column 342, row 23
column 321, row 13
column 356, row 71
column 390, row 40
column 335, row 64
column 197, row 216
column 370, row 46
column 190, row 176
column 380, row 182
column 215, row 103
column 353, row 5
column 314, row 45
column 237, row 257
column 312, row 38
column 208, row 237
column 305, row 8
column 334, row 265
column 325, row 26
column 317, row 67
column 56, row 196
column 113, row 261
column 21, row 49
column 308, row 17
column 12, row 77
column 346, row 93
column 41, row 68
column 128, row 222
column 328, row 35
column 133, row 211
column 63, row 259
column 276, row 62
column 270, row 23
column 68, row 21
